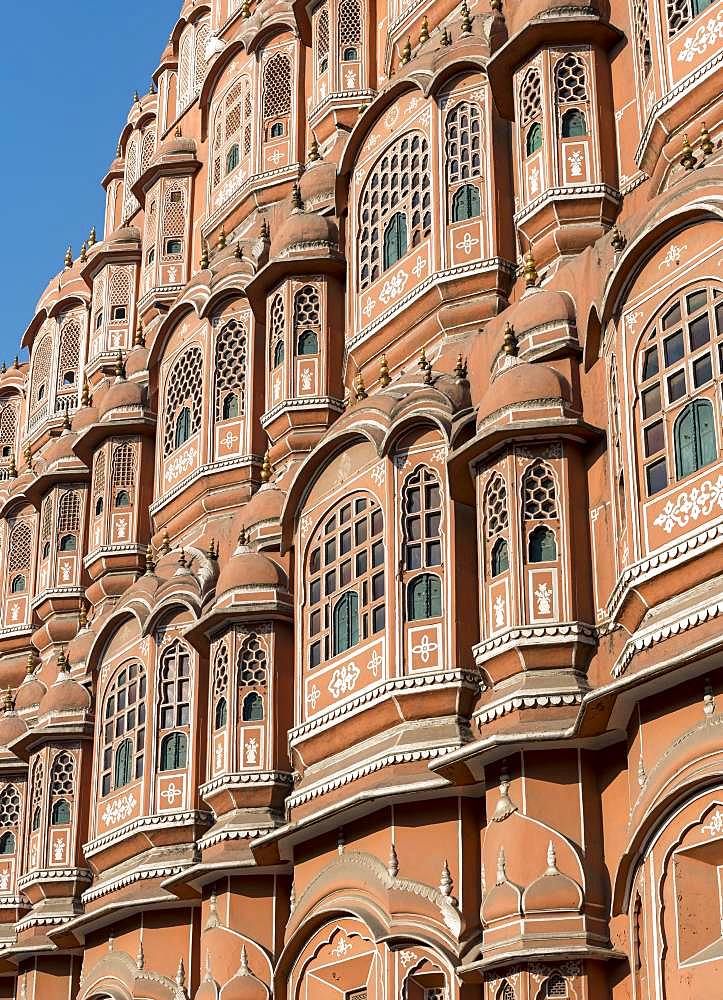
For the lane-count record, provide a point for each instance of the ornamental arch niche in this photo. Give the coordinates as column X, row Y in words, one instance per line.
column 340, row 961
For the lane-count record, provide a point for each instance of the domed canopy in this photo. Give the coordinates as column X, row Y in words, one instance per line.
column 244, row 985
column 541, row 307
column 304, row 230
column 121, row 395
column 124, row 234
column 11, row 725
column 176, row 145
column 552, row 890
column 250, row 569
column 522, row 383
column 32, row 690
column 318, row 182
column 65, row 695
column 137, row 361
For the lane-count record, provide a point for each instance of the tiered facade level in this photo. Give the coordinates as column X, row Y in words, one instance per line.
column 361, row 520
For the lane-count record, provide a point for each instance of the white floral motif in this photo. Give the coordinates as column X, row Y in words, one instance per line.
column 425, row 648
column 407, row 957
column 344, row 679
column 342, row 948
column 351, row 79
column 313, row 697
column 691, row 505
column 219, row 756
column 172, row 274
column 59, row 849
column 229, row 440
column 543, row 594
column 181, row 463
column 575, row 162
column 15, row 613
column 499, row 608
column 4, row 880
column 306, row 380
column 65, row 573
column 391, row 117
column 394, row 286
column 122, row 523
column 534, row 180
column 377, row 474
column 468, row 243
column 375, row 663
column 252, row 751
column 673, row 255
column 305, row 526
column 120, row 809
column 419, row 266
column 631, row 320
column 171, row 793
column 368, row 308
column 708, row 35
column 715, row 827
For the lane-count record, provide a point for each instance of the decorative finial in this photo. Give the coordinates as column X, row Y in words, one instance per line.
column 393, row 864
column 706, row 143
column 31, row 663
column 406, row 52
column 28, row 454
column 505, row 806
column 139, row 338
column 314, row 153
column 149, row 559
column 359, row 387
column 212, row 549
column 243, row 538
column 708, row 699
column 204, row 256
column 120, row 368
column 688, row 159
column 425, row 367
column 617, row 240
column 552, row 868
column 238, row 251
column 212, row 920
column 266, row 470
column 384, row 378
column 83, row 617
column 165, row 546
column 446, row 38
column 8, row 702
column 152, row 88
column 12, row 468
column 136, row 97
column 68, row 258
column 510, row 345
column 61, row 661
column 222, row 239
column 85, row 393
column 460, row 369
column 66, row 419
column 244, row 967
column 445, row 882
column 341, row 841
column 496, row 6
column 531, row 275
column 83, row 253
column 140, row 957
column 180, row 974
column 424, row 31
column 466, row 19
column 4, row 368
column 297, row 204
column 182, row 559
column 92, row 238
column 245, row 9
column 501, row 873
column 642, row 776
column 16, row 362
column 179, row 132
column 265, row 230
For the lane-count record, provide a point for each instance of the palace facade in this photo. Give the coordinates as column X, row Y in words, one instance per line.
column 361, row 520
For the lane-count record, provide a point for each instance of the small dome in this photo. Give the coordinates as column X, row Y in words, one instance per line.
column 304, row 230
column 137, row 361
column 65, row 695
column 84, row 417
column 60, row 448
column 318, row 183
column 124, row 234
column 265, row 505
column 176, row 145
column 11, row 725
column 523, row 383
column 541, row 307
column 32, row 690
column 120, row 395
column 552, row 890
column 249, row 569
column 208, row 990
column 244, row 985
column 502, row 900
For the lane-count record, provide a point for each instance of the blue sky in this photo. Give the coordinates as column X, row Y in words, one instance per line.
column 67, row 76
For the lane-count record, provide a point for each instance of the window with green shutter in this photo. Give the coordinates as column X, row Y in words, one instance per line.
column 395, row 239
column 346, row 622
column 695, row 443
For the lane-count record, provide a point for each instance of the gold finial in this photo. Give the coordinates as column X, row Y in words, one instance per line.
column 446, row 38
column 178, row 134
column 83, row 616
column 92, row 239
column 531, row 275
column 85, row 393
column 204, row 256
column 4, row 368
column 8, row 702
column 66, row 419
column 265, row 230
column 213, row 549
column 68, row 258
column 510, row 345
column 119, row 151
column 384, row 379
column 165, row 547
column 706, row 143
column 496, row 6
column 120, row 368
column 182, row 559
column 617, row 240
column 359, row 387
column 238, row 251
column 297, row 204
column 31, row 663
column 149, row 559
column 139, row 339
column 424, row 31
column 425, row 367
column 466, row 19
column 688, row 159
column 12, row 468
column 460, row 369
column 61, row 661
column 83, row 253
column 152, row 88
column 136, row 97
column 28, row 454
column 245, row 9
column 243, row 538
column 266, row 470
column 16, row 362
column 314, row 153
column 222, row 239
column 406, row 52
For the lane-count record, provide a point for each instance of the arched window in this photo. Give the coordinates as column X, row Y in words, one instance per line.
column 679, row 357
column 395, row 239
column 220, row 686
column 424, row 597
column 399, row 184
column 20, row 549
column 278, row 325
column 184, row 391
column 542, row 546
column 173, row 224
column 496, row 515
column 278, row 353
column 131, row 174
column 506, row 991
column 122, row 499
column 695, row 439
column 8, row 426
column 573, row 124
column 232, row 158
column 570, row 80
column 60, row 813
column 322, row 40
column 68, row 543
column 192, row 62
column 350, row 30
column 466, row 203
column 123, row 770
column 221, row 714
column 42, row 364
column 99, row 506
column 68, row 362
column 307, row 320
column 230, row 370
column 556, row 987
column 253, row 708
column 346, row 622
column 500, row 561
column 533, row 142
column 682, row 12
column 18, row 585
column 68, row 519
column 422, row 506
column 174, row 752
column 276, row 94
column 123, row 469
column 9, row 818
column 123, row 728
column 641, row 30
column 277, row 130
column 175, row 676
column 7, row 843
column 346, row 559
